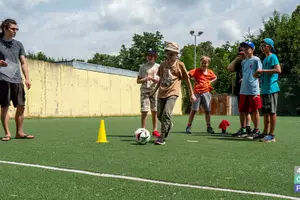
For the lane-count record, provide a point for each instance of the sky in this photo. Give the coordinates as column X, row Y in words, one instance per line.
column 79, row 29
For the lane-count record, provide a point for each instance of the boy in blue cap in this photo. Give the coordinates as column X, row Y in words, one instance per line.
column 269, row 88
column 250, row 101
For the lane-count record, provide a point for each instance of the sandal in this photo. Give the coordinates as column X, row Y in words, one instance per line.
column 6, row 138
column 25, row 137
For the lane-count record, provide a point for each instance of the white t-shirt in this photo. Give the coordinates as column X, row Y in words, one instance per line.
column 149, row 70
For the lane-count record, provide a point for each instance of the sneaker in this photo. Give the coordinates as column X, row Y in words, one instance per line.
column 169, row 130
column 188, row 130
column 160, row 142
column 254, row 135
column 240, row 133
column 260, row 136
column 249, row 130
column 210, row 130
column 268, row 138
column 155, row 134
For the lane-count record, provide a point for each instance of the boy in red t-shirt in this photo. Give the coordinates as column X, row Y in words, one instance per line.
column 203, row 78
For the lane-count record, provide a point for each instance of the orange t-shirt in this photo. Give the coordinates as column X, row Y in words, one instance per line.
column 202, row 81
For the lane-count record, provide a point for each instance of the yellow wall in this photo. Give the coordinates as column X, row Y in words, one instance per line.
column 63, row 91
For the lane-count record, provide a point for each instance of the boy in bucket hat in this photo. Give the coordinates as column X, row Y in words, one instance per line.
column 269, row 88
column 250, row 101
column 171, row 72
column 148, row 79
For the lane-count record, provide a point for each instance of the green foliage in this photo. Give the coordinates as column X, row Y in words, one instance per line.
column 105, row 59
column 40, row 56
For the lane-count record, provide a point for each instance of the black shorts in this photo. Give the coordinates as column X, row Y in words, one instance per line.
column 269, row 103
column 12, row 92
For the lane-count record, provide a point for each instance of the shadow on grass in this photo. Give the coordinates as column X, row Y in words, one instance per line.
column 133, row 142
column 121, row 136
column 204, row 134
column 233, row 139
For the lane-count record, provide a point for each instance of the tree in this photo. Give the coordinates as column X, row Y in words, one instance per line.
column 131, row 58
column 39, row 56
column 105, row 59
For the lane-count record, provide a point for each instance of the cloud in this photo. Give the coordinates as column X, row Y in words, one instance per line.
column 79, row 29
column 229, row 30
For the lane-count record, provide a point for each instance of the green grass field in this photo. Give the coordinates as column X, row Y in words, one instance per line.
column 215, row 161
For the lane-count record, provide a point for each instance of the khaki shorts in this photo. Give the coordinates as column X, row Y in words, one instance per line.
column 148, row 102
column 203, row 100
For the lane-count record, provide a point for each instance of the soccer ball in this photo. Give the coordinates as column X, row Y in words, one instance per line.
column 142, row 136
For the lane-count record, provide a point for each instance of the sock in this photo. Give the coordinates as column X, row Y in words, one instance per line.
column 256, row 130
column 248, row 127
column 189, row 125
column 208, row 125
column 244, row 129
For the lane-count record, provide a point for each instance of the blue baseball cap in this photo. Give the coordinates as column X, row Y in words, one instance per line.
column 248, row 43
column 270, row 42
column 151, row 51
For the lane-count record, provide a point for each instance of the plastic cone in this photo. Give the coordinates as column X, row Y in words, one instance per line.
column 102, row 133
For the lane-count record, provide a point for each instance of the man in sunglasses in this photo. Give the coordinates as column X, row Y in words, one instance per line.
column 12, row 60
column 171, row 72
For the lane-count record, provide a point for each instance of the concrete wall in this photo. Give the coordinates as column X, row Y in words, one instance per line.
column 59, row 90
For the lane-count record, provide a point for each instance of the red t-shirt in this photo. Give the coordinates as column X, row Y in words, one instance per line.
column 202, row 81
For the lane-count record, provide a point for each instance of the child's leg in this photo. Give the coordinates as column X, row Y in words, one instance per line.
column 145, row 107
column 243, row 107
column 256, row 119
column 243, row 119
column 273, row 117
column 266, row 123
column 207, row 117
column 255, row 106
column 144, row 119
column 248, row 120
column 206, row 103
column 153, row 102
column 154, row 120
column 166, row 116
column 161, row 102
column 191, row 117
column 194, row 110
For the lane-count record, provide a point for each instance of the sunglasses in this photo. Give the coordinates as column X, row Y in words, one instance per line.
column 171, row 54
column 14, row 29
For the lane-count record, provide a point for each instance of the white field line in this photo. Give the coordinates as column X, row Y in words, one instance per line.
column 148, row 180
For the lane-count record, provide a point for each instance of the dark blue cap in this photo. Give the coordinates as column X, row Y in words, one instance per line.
column 151, row 51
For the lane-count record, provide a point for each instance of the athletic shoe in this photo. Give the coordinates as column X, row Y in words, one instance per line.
column 155, row 133
column 254, row 135
column 268, row 138
column 240, row 133
column 210, row 130
column 188, row 130
column 160, row 142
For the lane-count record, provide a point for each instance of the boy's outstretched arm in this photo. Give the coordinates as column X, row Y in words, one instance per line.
column 186, row 78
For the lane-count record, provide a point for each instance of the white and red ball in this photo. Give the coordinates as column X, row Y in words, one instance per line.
column 142, row 136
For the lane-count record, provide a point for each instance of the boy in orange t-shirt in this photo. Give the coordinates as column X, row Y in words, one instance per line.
column 203, row 78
